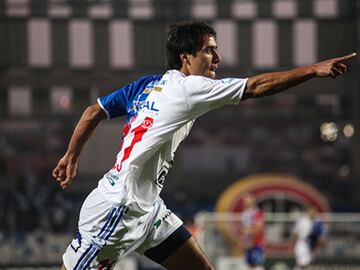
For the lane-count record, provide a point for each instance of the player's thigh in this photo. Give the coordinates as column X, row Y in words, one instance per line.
column 189, row 256
column 63, row 267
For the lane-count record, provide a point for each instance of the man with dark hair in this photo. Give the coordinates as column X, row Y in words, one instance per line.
column 125, row 212
column 186, row 38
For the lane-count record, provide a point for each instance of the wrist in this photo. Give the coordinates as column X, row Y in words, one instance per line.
column 71, row 156
column 311, row 70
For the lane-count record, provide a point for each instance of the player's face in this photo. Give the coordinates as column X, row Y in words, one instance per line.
column 249, row 201
column 206, row 60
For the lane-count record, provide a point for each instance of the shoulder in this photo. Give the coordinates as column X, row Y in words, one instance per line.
column 197, row 80
column 189, row 84
column 147, row 79
column 194, row 85
column 137, row 87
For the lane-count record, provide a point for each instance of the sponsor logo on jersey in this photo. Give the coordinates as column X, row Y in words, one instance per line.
column 149, row 105
column 111, row 178
column 162, row 219
column 157, row 223
column 145, row 104
column 160, row 180
column 148, row 90
column 154, row 86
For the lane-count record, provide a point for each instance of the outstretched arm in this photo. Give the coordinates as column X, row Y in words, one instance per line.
column 275, row 82
column 66, row 169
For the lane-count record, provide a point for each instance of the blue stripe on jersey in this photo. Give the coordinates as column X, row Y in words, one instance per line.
column 120, row 101
column 106, row 231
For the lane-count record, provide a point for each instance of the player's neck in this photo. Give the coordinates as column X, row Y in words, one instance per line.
column 184, row 70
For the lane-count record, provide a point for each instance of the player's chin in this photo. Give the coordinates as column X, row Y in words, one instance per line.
column 212, row 74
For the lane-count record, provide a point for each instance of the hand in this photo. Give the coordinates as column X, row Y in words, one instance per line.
column 65, row 171
column 332, row 67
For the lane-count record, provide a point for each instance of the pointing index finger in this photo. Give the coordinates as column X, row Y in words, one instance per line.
column 347, row 57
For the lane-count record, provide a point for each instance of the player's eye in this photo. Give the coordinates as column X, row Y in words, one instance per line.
column 211, row 50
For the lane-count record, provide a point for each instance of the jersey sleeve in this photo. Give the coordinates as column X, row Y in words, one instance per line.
column 116, row 103
column 204, row 94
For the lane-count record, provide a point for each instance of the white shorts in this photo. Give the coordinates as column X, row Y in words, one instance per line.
column 302, row 253
column 107, row 233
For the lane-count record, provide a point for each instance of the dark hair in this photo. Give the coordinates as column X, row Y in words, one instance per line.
column 185, row 37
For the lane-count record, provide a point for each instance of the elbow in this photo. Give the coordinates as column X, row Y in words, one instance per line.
column 258, row 91
column 260, row 86
column 252, row 91
column 94, row 112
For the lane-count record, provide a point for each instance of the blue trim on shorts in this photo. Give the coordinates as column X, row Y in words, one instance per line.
column 92, row 257
column 108, row 220
column 116, row 222
column 106, row 231
column 87, row 258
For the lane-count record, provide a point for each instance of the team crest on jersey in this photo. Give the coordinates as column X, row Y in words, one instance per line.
column 147, row 123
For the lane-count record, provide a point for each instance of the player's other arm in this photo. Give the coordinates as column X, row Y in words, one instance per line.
column 66, row 169
column 275, row 82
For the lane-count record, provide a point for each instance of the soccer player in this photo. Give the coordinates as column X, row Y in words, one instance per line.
column 125, row 213
column 252, row 236
column 310, row 232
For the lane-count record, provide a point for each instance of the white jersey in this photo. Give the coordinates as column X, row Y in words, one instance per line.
column 160, row 113
column 303, row 228
column 302, row 251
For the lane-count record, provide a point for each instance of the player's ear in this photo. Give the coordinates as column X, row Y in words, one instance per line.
column 185, row 58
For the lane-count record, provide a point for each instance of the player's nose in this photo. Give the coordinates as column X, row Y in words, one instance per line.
column 216, row 57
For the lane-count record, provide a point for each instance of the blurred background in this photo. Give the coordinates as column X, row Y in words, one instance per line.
column 58, row 56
